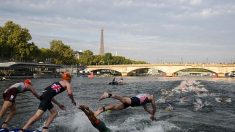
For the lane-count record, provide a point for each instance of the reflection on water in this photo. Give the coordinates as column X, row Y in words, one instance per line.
column 183, row 104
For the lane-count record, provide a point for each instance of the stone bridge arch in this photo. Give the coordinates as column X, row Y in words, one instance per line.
column 100, row 69
column 171, row 71
column 205, row 70
column 139, row 68
column 231, row 71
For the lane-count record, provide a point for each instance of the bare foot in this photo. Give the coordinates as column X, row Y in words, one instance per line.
column 4, row 125
column 105, row 95
column 44, row 130
column 83, row 107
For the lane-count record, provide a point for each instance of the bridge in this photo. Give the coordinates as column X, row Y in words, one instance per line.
column 169, row 69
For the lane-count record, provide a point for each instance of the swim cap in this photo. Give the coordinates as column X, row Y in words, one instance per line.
column 66, row 76
column 28, row 81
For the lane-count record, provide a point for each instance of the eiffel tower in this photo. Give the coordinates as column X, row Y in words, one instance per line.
column 102, row 42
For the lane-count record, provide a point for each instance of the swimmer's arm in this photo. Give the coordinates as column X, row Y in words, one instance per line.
column 33, row 91
column 58, row 104
column 153, row 105
column 147, row 110
column 153, row 111
column 55, row 102
column 70, row 93
column 90, row 115
column 88, row 112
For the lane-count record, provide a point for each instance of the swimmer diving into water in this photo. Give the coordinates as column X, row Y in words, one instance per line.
column 138, row 100
column 97, row 123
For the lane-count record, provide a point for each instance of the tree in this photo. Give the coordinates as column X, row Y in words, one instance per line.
column 86, row 58
column 34, row 52
column 87, row 53
column 14, row 41
column 14, row 44
column 108, row 58
column 61, row 53
column 98, row 60
column 45, row 55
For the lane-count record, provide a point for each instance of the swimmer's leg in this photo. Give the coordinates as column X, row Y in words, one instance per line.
column 118, row 106
column 34, row 118
column 123, row 99
column 6, row 105
column 9, row 116
column 51, row 117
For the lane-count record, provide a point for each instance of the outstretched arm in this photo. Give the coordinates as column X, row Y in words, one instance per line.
column 153, row 103
column 90, row 115
column 33, row 91
column 146, row 109
column 70, row 93
column 58, row 104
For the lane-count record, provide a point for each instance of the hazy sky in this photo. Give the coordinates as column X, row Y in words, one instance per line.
column 151, row 30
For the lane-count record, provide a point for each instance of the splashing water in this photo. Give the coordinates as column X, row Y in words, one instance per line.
column 81, row 123
column 213, row 116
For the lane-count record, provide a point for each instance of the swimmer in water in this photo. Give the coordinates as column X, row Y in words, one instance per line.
column 223, row 99
column 97, row 123
column 138, row 100
column 169, row 107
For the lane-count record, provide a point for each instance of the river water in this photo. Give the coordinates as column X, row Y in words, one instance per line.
column 183, row 105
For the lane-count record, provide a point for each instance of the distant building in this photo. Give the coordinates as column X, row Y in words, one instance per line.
column 102, row 42
column 77, row 54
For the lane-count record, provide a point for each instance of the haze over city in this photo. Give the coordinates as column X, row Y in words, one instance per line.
column 154, row 30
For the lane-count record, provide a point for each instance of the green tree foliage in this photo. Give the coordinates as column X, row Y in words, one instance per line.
column 62, row 54
column 45, row 55
column 15, row 45
column 14, row 42
column 108, row 58
column 87, row 58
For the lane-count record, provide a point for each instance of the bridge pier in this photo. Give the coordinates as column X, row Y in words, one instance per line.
column 169, row 74
column 220, row 75
column 124, row 73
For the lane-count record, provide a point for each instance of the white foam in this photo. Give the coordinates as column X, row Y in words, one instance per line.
column 157, row 128
column 142, row 123
column 81, row 123
column 223, row 99
column 191, row 86
column 161, row 100
column 160, row 126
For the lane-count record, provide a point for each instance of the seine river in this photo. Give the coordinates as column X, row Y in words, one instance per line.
column 183, row 105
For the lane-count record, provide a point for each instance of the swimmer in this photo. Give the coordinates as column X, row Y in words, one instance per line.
column 47, row 98
column 198, row 105
column 97, row 123
column 169, row 107
column 9, row 97
column 138, row 100
column 120, row 81
column 183, row 99
column 223, row 99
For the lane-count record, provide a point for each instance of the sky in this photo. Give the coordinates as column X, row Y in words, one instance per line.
column 155, row 31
